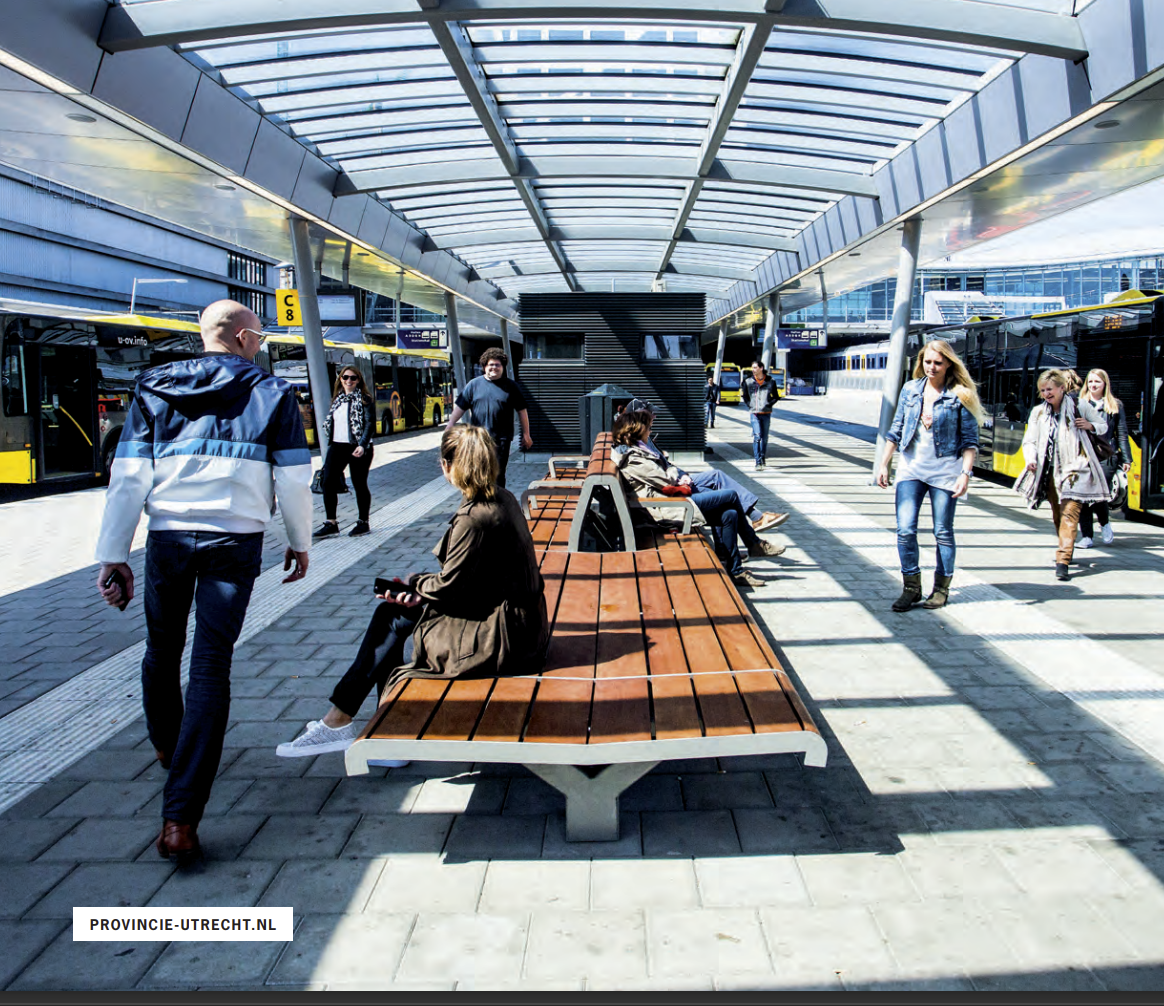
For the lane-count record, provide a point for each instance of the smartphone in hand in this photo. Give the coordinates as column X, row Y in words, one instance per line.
column 116, row 578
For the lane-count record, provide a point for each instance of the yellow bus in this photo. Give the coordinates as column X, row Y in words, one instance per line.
column 66, row 377
column 729, row 382
column 413, row 387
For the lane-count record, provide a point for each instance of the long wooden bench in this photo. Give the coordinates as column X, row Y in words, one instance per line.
column 549, row 503
column 653, row 656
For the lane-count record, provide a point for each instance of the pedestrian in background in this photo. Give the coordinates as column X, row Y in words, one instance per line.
column 760, row 393
column 1097, row 393
column 491, row 401
column 710, row 401
column 208, row 447
column 936, row 428
column 1062, row 466
column 349, row 425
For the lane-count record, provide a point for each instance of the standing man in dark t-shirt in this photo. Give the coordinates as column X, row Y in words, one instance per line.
column 491, row 401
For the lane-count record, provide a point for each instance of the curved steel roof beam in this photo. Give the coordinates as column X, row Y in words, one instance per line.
column 148, row 23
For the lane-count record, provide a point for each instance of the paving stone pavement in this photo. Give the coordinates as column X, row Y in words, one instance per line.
column 975, row 828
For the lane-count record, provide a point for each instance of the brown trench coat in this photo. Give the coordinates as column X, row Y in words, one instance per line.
column 485, row 611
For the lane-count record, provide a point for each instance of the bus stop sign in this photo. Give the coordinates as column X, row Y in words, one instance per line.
column 288, row 310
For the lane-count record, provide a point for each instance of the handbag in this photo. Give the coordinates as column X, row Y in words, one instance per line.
column 1102, row 446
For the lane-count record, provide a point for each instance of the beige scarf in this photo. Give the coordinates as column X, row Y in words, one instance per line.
column 1077, row 473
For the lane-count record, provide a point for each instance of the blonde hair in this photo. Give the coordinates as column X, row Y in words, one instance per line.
column 1056, row 377
column 1111, row 404
column 958, row 378
column 339, row 384
column 472, row 459
column 1074, row 383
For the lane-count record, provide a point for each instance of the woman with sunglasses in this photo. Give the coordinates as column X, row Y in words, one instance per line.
column 349, row 427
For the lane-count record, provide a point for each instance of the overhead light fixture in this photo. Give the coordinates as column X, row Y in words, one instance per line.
column 223, row 187
column 854, row 254
column 80, row 117
column 1107, row 124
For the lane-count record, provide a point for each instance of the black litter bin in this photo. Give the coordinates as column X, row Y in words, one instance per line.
column 596, row 411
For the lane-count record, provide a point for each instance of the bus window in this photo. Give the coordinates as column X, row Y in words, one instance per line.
column 15, row 396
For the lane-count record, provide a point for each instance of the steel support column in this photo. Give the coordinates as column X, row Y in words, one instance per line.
column 902, row 305
column 719, row 346
column 771, row 323
column 507, row 349
column 312, row 329
column 455, row 341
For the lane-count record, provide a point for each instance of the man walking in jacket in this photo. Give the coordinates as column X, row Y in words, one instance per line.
column 208, row 446
column 761, row 394
column 710, row 401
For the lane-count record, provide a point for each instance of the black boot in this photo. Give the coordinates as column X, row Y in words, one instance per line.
column 941, row 593
column 911, row 592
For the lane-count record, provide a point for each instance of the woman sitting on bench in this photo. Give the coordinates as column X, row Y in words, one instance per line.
column 482, row 615
column 647, row 471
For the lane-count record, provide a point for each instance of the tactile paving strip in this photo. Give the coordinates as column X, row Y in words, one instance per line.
column 52, row 732
column 1129, row 698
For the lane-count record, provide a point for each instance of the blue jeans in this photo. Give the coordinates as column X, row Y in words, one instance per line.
column 713, row 478
column 709, row 413
column 727, row 519
column 215, row 572
column 761, row 421
column 909, row 496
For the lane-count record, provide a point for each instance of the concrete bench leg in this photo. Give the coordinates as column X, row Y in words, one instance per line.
column 591, row 801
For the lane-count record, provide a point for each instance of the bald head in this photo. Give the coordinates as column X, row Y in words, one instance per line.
column 223, row 325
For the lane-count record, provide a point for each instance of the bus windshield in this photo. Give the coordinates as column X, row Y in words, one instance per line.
column 729, row 380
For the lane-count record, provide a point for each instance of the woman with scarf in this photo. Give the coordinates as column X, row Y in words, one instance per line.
column 1062, row 466
column 1097, row 393
column 349, row 427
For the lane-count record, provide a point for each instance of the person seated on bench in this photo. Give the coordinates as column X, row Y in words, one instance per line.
column 647, row 471
column 713, row 478
column 484, row 614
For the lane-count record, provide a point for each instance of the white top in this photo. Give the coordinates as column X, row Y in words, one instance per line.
column 919, row 463
column 341, row 431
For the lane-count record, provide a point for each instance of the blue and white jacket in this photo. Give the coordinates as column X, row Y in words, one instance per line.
column 208, row 445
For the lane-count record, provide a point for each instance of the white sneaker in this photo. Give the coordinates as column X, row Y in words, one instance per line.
column 1085, row 543
column 1107, row 533
column 318, row 739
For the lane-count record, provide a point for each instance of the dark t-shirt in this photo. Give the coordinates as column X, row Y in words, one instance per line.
column 492, row 404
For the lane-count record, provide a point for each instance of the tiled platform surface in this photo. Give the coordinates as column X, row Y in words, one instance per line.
column 975, row 828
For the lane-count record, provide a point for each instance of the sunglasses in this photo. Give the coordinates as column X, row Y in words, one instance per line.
column 349, row 377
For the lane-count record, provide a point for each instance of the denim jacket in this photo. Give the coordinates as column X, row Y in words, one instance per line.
column 954, row 427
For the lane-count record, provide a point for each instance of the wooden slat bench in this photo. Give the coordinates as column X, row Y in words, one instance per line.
column 653, row 656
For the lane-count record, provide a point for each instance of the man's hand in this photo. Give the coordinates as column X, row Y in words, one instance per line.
column 526, row 441
column 883, row 476
column 300, row 561
column 112, row 594
column 686, row 480
column 358, row 452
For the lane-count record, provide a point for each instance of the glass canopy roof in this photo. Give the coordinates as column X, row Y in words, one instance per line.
column 578, row 154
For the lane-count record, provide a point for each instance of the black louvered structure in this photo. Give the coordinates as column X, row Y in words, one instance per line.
column 613, row 327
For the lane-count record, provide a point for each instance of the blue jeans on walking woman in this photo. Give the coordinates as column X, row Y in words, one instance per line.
column 761, row 421
column 215, row 572
column 909, row 496
column 725, row 515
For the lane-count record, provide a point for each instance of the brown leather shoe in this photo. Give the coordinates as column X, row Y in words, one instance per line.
column 179, row 843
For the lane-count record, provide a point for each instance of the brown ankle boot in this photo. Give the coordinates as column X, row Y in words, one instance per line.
column 911, row 592
column 941, row 593
column 179, row 843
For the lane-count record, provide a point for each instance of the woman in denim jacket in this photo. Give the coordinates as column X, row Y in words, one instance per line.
column 936, row 429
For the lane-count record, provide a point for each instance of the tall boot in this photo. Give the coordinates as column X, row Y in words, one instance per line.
column 941, row 593
column 911, row 592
